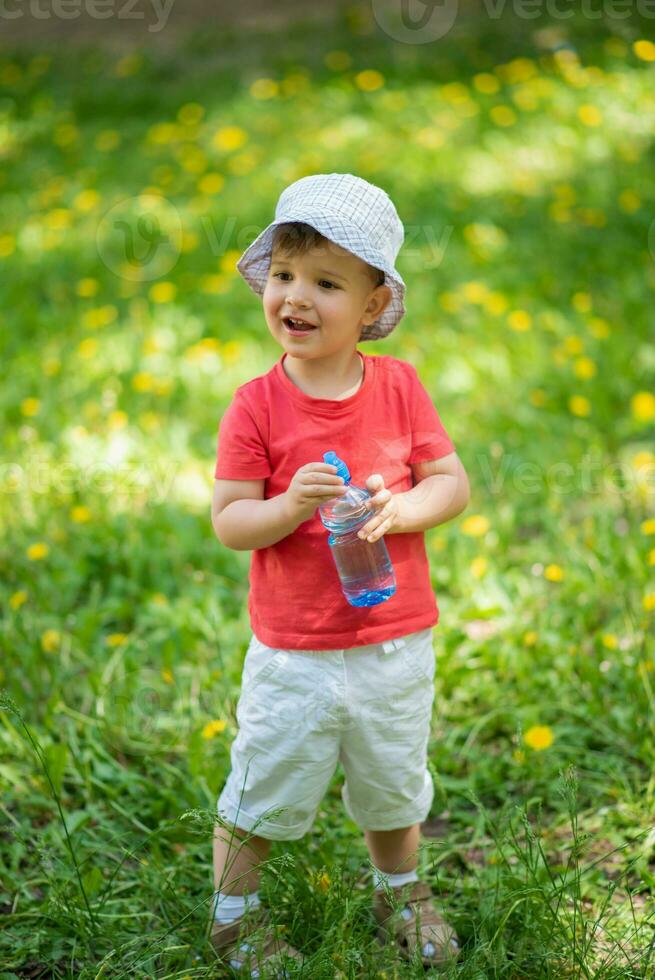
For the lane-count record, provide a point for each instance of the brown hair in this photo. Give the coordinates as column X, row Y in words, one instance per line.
column 296, row 238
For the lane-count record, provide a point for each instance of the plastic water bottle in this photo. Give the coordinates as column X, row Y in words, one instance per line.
column 364, row 567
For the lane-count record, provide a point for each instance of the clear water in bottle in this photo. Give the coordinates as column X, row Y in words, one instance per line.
column 364, row 567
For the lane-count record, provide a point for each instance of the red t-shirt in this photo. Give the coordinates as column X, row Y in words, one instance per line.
column 268, row 431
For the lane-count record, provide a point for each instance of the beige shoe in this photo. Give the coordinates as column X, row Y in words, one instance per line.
column 251, row 945
column 416, row 924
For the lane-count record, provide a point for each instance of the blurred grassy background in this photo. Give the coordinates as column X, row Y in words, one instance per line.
column 519, row 154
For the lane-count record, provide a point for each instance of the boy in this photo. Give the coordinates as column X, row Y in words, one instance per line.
column 324, row 681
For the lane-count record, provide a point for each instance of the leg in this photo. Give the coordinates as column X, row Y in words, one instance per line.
column 236, row 864
column 394, row 851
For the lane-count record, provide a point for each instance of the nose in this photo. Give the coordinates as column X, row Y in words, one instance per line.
column 292, row 301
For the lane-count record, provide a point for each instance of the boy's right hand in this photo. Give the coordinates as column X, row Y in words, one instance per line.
column 311, row 485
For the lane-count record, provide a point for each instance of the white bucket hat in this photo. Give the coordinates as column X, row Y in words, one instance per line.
column 350, row 212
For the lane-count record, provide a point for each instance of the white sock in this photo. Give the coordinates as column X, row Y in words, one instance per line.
column 395, row 881
column 227, row 908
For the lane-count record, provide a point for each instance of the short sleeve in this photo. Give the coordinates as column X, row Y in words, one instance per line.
column 429, row 437
column 241, row 453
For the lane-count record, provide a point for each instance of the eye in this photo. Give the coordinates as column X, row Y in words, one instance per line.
column 276, row 274
column 330, row 284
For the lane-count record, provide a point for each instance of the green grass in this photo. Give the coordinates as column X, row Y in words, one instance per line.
column 124, row 621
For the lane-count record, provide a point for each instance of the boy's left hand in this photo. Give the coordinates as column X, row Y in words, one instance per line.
column 385, row 505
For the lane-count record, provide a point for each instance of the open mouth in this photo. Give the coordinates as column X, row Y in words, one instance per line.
column 298, row 327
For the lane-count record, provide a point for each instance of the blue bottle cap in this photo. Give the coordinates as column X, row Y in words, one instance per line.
column 333, row 460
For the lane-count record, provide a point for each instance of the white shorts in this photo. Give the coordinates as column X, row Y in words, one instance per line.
column 303, row 711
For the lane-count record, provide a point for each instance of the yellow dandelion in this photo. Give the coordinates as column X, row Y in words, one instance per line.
column 51, row 366
column 475, row 292
column 17, row 599
column 162, row 386
column 554, row 573
column 323, row 881
column 167, row 675
column 214, row 728
column 87, row 347
column 100, row 316
column 573, row 344
column 30, row 407
column 645, row 50
column 369, row 80
column 496, row 304
column 584, row 367
column 519, row 756
column 560, row 213
column 589, row 115
column 87, row 287
column 38, row 551
column 142, row 381
column 449, row 302
column 629, row 201
column 502, row 115
column 232, row 351
column 642, row 406
column 229, row 138
column 50, row 640
column 648, row 526
column 117, row 420
column 610, row 641
column 86, row 200
column 264, row 88
column 116, row 639
column 338, row 60
column 651, row 556
column 539, row 737
column 228, row 263
column 80, row 514
column 7, row 245
column 475, row 526
column 479, row 566
column 599, row 328
column 649, row 601
column 159, row 599
column 162, row 292
column 538, row 397
column 486, row 83
column 190, row 113
column 211, row 183
column 107, row 140
column 581, row 302
column 579, row 405
column 519, row 320
column 128, row 65
column 530, row 638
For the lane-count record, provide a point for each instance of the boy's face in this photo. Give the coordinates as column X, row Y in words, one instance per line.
column 327, row 287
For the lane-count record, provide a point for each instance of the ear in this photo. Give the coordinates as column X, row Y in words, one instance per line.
column 377, row 304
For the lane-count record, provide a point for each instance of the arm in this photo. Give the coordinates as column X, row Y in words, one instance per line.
column 442, row 492
column 248, row 524
column 436, row 499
